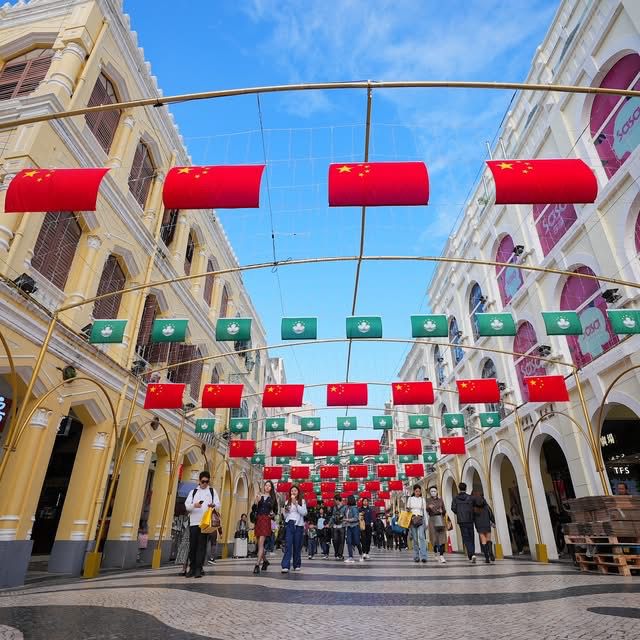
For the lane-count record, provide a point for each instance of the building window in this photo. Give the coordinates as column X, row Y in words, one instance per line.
column 257, row 366
column 509, row 278
column 455, row 336
column 151, row 352
column 56, row 247
column 141, row 175
column 22, row 75
column 438, row 364
column 190, row 374
column 188, row 254
column 476, row 305
column 489, row 371
column 224, row 303
column 215, row 376
column 525, row 342
column 112, row 279
column 168, row 226
column 614, row 119
column 552, row 222
column 584, row 295
column 207, row 291
column 103, row 124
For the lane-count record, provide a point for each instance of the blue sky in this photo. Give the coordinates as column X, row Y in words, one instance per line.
column 206, row 46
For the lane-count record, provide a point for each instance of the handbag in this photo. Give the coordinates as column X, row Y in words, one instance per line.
column 417, row 521
column 404, row 519
column 210, row 522
column 438, row 522
column 449, row 523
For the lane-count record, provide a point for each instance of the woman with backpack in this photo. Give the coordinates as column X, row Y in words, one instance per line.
column 483, row 519
column 352, row 522
column 416, row 505
column 295, row 509
column 264, row 507
column 437, row 523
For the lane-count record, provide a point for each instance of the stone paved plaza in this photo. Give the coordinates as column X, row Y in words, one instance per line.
column 387, row 595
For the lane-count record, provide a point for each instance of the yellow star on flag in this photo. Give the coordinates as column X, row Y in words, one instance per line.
column 334, row 389
column 184, row 170
column 399, row 387
column 30, row 174
column 464, row 385
column 506, row 165
column 344, row 169
column 270, row 390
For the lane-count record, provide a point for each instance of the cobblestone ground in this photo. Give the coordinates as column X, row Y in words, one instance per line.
column 387, row 596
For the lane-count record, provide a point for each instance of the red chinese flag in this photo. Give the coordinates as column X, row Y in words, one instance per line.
column 327, row 487
column 283, row 395
column 217, row 187
column 409, row 446
column 325, row 448
column 54, row 190
column 557, row 181
column 358, row 471
column 454, row 446
column 284, row 487
column 366, row 447
column 349, row 486
column 327, row 496
column 311, row 501
column 221, row 396
column 286, row 448
column 386, row 470
column 372, row 485
column 164, row 396
column 272, row 473
column 378, row 184
column 484, row 390
column 412, row 393
column 301, row 472
column 365, row 494
column 414, row 470
column 547, row 389
column 347, row 394
column 346, row 494
column 384, row 495
column 329, row 471
column 379, row 503
column 306, row 486
column 395, row 485
column 242, row 448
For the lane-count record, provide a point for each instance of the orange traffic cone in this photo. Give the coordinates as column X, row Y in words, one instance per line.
column 449, row 547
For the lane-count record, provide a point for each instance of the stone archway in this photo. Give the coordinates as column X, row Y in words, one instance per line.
column 241, row 499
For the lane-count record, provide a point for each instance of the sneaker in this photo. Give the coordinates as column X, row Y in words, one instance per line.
column 297, row 568
column 325, row 557
column 309, row 557
column 442, row 560
column 349, row 561
column 473, row 559
column 284, row 570
column 416, row 560
column 211, row 561
column 361, row 559
column 366, row 556
column 424, row 562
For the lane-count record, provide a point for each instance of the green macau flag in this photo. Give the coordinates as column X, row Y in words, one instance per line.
column 353, row 459
column 235, row 329
column 348, row 423
column 307, row 458
column 299, row 328
column 490, row 419
column 282, row 460
column 258, row 458
column 372, row 476
column 364, row 327
column 496, row 324
column 430, row 457
column 310, row 424
column 274, row 424
column 239, row 425
column 562, row 323
column 453, row 420
column 205, row 425
column 419, row 422
column 107, row 331
column 623, row 320
column 169, row 330
column 315, row 477
column 402, row 476
column 382, row 422
column 317, row 488
column 333, row 459
column 406, row 458
column 430, row 326
column 382, row 458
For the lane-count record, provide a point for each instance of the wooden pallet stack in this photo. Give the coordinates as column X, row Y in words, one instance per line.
column 605, row 531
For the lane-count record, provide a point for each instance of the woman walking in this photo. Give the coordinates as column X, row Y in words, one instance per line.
column 416, row 504
column 366, row 527
column 437, row 523
column 295, row 509
column 264, row 507
column 323, row 534
column 483, row 519
column 352, row 522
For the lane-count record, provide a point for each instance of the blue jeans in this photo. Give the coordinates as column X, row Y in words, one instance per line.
column 353, row 540
column 312, row 546
column 269, row 543
column 292, row 545
column 419, row 539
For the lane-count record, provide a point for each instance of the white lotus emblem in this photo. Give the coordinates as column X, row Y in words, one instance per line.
column 108, row 330
column 629, row 322
column 454, row 420
column 311, row 423
column 430, row 326
column 497, row 324
column 382, row 423
column 168, row 330
column 563, row 323
column 274, row 425
column 298, row 328
column 419, row 422
column 233, row 328
column 489, row 420
column 364, row 326
column 239, row 425
column 346, row 423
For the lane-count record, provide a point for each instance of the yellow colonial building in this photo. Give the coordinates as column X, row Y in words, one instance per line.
column 57, row 55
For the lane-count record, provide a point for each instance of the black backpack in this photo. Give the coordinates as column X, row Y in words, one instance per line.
column 193, row 494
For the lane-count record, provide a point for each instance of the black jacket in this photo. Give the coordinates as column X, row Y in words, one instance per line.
column 462, row 506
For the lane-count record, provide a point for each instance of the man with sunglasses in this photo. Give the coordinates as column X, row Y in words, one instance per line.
column 196, row 504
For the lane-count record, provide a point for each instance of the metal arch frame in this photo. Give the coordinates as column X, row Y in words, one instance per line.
column 13, row 383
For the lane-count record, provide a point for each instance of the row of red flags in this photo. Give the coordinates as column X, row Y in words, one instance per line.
column 332, row 471
column 354, row 394
column 372, row 184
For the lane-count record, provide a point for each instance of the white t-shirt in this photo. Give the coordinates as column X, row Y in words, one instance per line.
column 296, row 512
column 196, row 513
column 416, row 506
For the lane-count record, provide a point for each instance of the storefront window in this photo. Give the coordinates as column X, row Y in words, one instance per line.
column 552, row 222
column 620, row 445
column 509, row 278
column 524, row 342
